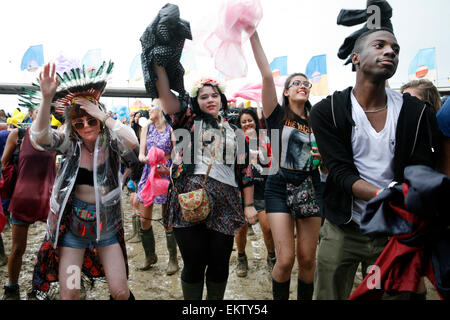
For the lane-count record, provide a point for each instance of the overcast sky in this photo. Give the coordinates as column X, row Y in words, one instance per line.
column 296, row 28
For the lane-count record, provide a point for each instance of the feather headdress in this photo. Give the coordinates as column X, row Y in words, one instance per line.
column 73, row 83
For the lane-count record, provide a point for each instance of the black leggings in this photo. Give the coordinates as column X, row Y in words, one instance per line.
column 201, row 248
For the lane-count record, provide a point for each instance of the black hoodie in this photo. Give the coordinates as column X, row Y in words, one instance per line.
column 417, row 137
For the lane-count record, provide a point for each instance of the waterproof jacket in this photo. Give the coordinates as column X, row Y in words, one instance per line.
column 109, row 146
column 417, row 138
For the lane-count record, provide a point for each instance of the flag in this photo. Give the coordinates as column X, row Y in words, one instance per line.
column 188, row 61
column 423, row 66
column 316, row 71
column 280, row 64
column 136, row 69
column 92, row 59
column 33, row 58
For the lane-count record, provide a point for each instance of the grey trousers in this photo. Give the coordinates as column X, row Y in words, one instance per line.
column 341, row 250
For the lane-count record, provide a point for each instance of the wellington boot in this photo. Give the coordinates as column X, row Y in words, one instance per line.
column 136, row 224
column 192, row 291
column 215, row 290
column 280, row 290
column 11, row 293
column 148, row 242
column 172, row 266
column 304, row 290
column 242, row 266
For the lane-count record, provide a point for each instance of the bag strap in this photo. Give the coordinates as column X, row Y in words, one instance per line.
column 21, row 134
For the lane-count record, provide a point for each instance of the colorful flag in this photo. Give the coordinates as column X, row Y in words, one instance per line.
column 423, row 66
column 316, row 71
column 33, row 58
column 280, row 64
column 92, row 59
column 136, row 69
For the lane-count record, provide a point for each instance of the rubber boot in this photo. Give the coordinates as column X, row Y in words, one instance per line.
column 304, row 290
column 11, row 293
column 280, row 290
column 242, row 265
column 192, row 291
column 215, row 290
column 148, row 242
column 172, row 266
column 3, row 256
column 136, row 224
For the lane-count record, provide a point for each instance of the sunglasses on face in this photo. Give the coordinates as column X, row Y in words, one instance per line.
column 92, row 122
column 298, row 83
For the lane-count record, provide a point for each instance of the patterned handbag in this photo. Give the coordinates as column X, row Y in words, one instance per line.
column 301, row 200
column 195, row 205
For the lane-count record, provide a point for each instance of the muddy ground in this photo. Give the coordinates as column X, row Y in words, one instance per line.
column 154, row 284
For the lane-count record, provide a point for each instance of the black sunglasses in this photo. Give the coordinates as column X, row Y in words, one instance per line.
column 92, row 122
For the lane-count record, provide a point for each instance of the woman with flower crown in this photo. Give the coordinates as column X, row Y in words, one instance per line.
column 84, row 225
column 206, row 246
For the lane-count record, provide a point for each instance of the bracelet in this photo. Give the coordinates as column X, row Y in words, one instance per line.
column 105, row 118
column 379, row 191
column 249, row 205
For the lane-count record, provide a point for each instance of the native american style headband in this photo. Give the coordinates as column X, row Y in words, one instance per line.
column 73, row 84
column 202, row 82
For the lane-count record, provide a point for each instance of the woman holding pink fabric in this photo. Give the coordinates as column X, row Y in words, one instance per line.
column 156, row 134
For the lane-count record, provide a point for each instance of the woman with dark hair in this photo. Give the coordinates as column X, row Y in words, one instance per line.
column 292, row 194
column 85, row 224
column 212, row 144
column 260, row 155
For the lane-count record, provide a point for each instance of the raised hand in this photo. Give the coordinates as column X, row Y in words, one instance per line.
column 48, row 82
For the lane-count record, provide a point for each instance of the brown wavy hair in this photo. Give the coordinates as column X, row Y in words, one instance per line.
column 427, row 91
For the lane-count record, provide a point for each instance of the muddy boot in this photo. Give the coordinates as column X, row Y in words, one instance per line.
column 172, row 266
column 3, row 256
column 148, row 242
column 192, row 291
column 136, row 224
column 242, row 266
column 271, row 259
column 304, row 290
column 215, row 290
column 280, row 290
column 11, row 293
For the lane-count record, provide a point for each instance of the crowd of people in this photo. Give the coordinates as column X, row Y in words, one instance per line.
column 305, row 173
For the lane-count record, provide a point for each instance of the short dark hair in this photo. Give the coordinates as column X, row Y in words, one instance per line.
column 360, row 40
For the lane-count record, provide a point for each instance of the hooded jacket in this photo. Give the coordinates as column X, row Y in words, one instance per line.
column 416, row 138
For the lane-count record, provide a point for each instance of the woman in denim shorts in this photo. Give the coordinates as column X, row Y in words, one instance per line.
column 84, row 226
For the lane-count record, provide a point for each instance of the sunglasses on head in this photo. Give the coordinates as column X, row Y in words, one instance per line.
column 298, row 83
column 92, row 122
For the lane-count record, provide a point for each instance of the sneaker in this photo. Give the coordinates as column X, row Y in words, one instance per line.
column 242, row 267
column 271, row 262
column 11, row 293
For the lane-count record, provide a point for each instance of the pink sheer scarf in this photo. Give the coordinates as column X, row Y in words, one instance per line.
column 238, row 20
column 155, row 185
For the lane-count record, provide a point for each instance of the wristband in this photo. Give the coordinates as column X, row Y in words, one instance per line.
column 249, row 205
column 379, row 191
column 105, row 118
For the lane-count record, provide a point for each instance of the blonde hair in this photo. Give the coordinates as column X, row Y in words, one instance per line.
column 156, row 104
column 427, row 90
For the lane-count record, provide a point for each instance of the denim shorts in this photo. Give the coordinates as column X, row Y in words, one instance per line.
column 72, row 241
column 259, row 205
column 19, row 222
column 275, row 195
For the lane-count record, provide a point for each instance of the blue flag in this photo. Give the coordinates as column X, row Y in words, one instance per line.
column 280, row 64
column 136, row 69
column 316, row 71
column 33, row 58
column 92, row 59
column 423, row 65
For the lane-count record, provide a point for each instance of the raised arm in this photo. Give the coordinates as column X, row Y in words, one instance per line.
column 40, row 128
column 142, row 146
column 169, row 100
column 269, row 93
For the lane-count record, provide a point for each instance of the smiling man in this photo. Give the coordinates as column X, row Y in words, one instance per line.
column 367, row 135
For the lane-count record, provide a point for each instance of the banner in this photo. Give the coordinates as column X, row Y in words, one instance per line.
column 136, row 69
column 423, row 66
column 280, row 64
column 92, row 59
column 33, row 58
column 316, row 71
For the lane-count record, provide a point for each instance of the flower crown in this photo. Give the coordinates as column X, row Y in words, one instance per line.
column 201, row 83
